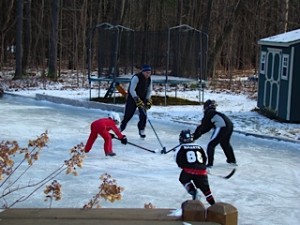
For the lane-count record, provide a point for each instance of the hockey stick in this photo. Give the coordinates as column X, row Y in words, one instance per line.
column 163, row 148
column 138, row 146
column 141, row 147
column 172, row 149
column 221, row 176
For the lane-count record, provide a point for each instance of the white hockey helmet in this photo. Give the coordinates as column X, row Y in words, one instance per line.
column 115, row 117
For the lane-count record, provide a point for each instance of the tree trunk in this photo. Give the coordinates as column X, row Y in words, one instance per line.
column 52, row 73
column 118, row 11
column 179, row 12
column 38, row 50
column 204, row 40
column 19, row 46
column 74, row 52
column 286, row 15
column 223, row 38
column 3, row 28
column 84, row 22
column 27, row 35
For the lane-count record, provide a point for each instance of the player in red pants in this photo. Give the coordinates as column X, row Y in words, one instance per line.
column 102, row 127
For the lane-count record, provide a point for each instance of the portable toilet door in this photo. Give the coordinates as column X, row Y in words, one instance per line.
column 278, row 87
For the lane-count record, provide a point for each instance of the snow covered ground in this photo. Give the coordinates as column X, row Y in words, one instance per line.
column 238, row 107
column 265, row 188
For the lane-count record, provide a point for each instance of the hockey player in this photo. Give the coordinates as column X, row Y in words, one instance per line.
column 223, row 129
column 102, row 127
column 139, row 96
column 191, row 158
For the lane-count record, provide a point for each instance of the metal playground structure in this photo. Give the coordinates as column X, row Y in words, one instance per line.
column 177, row 56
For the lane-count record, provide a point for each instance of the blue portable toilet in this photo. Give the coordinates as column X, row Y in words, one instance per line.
column 279, row 76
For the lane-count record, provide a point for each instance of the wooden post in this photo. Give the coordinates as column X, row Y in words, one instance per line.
column 222, row 213
column 193, row 210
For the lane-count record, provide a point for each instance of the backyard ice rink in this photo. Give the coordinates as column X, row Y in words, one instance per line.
column 265, row 188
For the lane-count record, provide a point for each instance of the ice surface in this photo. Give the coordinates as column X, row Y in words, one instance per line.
column 265, row 188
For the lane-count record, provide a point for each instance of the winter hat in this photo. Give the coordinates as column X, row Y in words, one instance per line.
column 146, row 68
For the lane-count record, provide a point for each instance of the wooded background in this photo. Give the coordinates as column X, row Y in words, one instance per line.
column 52, row 35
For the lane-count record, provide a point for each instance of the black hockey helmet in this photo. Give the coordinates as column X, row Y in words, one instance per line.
column 185, row 136
column 209, row 104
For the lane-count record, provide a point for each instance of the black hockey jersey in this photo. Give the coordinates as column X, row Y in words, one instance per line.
column 191, row 156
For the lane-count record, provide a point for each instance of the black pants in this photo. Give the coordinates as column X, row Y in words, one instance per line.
column 200, row 181
column 130, row 109
column 220, row 136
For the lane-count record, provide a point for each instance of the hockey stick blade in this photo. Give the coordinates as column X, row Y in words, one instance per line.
column 172, row 149
column 163, row 151
column 138, row 146
column 230, row 174
column 224, row 177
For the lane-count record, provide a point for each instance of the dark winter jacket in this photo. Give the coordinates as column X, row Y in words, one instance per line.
column 142, row 86
column 212, row 119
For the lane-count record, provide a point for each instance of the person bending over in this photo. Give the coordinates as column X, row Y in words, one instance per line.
column 223, row 128
column 102, row 127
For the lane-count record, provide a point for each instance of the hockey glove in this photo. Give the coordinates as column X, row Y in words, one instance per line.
column 148, row 103
column 139, row 103
column 112, row 135
column 124, row 140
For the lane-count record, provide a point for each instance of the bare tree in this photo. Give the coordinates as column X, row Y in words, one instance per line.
column 38, row 49
column 286, row 15
column 179, row 12
column 27, row 35
column 52, row 73
column 19, row 45
column 204, row 40
column 83, row 35
column 212, row 61
column 4, row 26
column 231, row 26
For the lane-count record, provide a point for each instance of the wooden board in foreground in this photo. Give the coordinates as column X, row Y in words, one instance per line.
column 102, row 216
